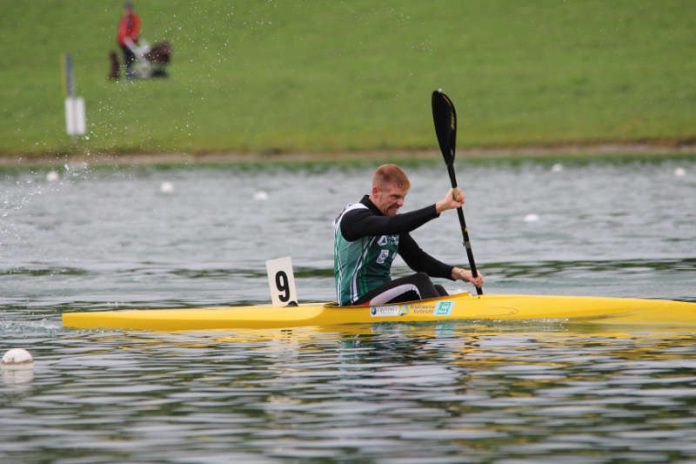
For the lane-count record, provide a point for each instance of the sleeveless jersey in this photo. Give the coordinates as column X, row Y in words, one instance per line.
column 362, row 264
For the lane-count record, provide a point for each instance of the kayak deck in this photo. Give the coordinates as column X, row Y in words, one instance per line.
column 574, row 309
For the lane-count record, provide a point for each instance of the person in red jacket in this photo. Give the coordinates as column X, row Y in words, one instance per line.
column 128, row 36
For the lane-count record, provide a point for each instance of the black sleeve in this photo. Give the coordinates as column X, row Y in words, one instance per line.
column 364, row 223
column 420, row 261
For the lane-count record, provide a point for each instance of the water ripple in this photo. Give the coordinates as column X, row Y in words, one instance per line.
column 494, row 393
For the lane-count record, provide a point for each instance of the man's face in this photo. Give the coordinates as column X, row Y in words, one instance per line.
column 389, row 198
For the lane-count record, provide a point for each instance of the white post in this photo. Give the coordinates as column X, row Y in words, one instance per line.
column 75, row 116
column 75, row 120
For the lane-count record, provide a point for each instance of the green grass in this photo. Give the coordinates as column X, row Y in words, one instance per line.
column 313, row 76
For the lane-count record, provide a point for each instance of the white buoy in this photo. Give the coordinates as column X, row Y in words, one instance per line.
column 17, row 358
column 260, row 195
column 531, row 217
column 680, row 172
column 52, row 176
column 558, row 167
column 167, row 187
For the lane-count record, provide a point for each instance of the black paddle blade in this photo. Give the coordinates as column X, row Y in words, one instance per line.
column 445, row 119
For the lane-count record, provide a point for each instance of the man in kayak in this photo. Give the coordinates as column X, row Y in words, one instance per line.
column 369, row 235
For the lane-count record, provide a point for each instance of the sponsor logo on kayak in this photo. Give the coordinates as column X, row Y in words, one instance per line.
column 443, row 308
column 423, row 309
column 388, row 311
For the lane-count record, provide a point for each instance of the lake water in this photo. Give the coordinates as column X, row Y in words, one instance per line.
column 182, row 236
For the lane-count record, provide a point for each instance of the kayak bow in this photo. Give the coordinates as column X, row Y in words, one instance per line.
column 571, row 309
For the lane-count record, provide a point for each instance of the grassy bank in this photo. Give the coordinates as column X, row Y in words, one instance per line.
column 301, row 76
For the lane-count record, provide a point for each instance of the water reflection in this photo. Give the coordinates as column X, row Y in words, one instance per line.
column 365, row 392
column 17, row 380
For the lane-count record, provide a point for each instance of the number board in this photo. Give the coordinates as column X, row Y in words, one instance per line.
column 281, row 281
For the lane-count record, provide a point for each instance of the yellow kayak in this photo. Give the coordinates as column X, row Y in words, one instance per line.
column 570, row 309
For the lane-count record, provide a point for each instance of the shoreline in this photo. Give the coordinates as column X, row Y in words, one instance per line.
column 572, row 151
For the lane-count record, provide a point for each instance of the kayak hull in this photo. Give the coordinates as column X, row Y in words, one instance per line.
column 540, row 308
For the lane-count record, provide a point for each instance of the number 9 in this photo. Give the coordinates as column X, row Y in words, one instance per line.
column 282, row 285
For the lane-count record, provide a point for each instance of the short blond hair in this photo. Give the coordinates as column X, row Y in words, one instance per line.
column 390, row 174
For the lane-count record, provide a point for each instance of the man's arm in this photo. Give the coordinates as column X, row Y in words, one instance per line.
column 420, row 261
column 363, row 222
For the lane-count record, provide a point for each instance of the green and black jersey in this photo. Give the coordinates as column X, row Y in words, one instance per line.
column 366, row 243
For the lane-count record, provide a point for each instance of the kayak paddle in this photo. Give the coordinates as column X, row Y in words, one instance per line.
column 445, row 119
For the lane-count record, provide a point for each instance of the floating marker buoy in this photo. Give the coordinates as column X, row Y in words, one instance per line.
column 680, row 172
column 260, row 195
column 166, row 187
column 17, row 358
column 52, row 176
column 531, row 217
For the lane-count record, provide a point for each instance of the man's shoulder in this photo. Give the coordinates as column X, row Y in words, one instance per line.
column 357, row 210
column 355, row 207
column 353, row 211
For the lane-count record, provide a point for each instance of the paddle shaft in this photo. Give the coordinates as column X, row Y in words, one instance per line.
column 465, row 232
column 445, row 119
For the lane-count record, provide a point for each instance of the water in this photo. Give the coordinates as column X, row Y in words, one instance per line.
column 123, row 238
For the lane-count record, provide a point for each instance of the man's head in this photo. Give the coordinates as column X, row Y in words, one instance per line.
column 389, row 188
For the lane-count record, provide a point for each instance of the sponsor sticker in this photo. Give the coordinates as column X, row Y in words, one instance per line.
column 423, row 309
column 389, row 311
column 383, row 255
column 443, row 308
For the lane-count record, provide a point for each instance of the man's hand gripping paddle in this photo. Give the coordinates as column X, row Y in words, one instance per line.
column 445, row 119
